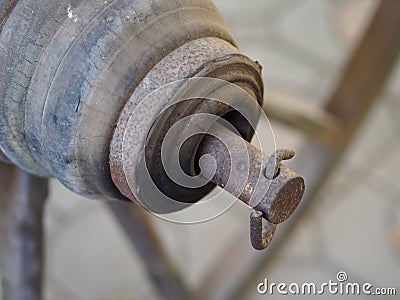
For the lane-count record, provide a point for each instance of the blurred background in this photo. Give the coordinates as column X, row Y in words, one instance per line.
column 352, row 224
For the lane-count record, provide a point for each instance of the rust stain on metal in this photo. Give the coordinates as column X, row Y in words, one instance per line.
column 181, row 63
column 261, row 231
column 277, row 198
column 272, row 189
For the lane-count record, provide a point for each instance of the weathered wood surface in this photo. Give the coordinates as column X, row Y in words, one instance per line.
column 69, row 67
column 22, row 199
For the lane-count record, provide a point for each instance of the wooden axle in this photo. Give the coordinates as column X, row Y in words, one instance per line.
column 70, row 68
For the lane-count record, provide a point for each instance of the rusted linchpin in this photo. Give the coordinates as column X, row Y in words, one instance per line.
column 261, row 230
column 274, row 162
column 261, row 233
column 270, row 187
